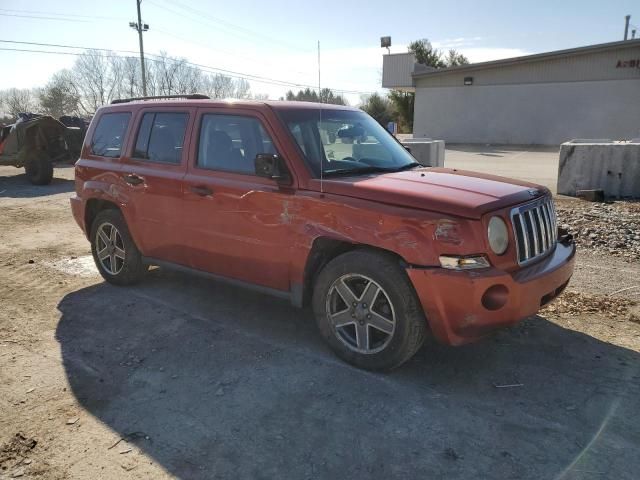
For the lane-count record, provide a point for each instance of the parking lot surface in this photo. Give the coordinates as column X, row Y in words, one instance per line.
column 181, row 377
column 537, row 164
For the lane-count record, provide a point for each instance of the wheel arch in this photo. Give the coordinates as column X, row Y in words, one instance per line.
column 325, row 249
column 93, row 208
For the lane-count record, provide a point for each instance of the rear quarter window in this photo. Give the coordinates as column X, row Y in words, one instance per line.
column 109, row 134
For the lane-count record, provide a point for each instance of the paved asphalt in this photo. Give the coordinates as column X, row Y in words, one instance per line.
column 532, row 163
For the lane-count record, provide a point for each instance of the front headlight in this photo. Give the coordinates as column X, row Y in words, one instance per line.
column 498, row 235
column 463, row 263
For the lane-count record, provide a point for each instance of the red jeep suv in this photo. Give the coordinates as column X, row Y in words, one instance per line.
column 317, row 204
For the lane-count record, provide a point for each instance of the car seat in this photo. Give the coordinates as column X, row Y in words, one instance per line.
column 221, row 154
column 162, row 146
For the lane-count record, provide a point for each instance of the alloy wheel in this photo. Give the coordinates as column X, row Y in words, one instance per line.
column 360, row 313
column 110, row 248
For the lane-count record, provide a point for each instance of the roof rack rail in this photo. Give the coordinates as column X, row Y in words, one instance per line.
column 191, row 96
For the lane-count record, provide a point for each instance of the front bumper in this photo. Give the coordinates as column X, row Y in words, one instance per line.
column 461, row 308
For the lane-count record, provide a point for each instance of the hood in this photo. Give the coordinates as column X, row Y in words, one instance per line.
column 450, row 191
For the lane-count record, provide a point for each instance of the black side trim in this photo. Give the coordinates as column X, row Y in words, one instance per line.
column 231, row 281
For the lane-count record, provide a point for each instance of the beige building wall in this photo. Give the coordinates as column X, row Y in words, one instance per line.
column 543, row 113
column 550, row 101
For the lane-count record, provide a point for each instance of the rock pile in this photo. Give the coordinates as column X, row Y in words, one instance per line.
column 610, row 228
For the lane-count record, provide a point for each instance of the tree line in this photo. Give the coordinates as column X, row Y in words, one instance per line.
column 96, row 78
column 398, row 105
column 309, row 95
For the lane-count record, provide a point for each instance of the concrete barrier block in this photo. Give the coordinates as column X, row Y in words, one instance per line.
column 613, row 167
column 426, row 151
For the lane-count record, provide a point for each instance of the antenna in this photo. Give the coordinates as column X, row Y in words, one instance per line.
column 319, row 122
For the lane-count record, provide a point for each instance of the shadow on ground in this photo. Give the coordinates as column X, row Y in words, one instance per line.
column 227, row 383
column 17, row 186
column 500, row 150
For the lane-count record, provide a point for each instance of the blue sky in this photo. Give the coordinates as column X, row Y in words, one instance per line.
column 277, row 38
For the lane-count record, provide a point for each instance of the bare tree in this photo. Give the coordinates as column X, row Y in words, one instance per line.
column 151, row 77
column 188, row 79
column 218, row 86
column 242, row 89
column 166, row 73
column 93, row 80
column 16, row 100
column 99, row 77
column 131, row 81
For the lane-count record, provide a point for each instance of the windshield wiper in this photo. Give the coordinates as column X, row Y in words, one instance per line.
column 408, row 166
column 371, row 169
column 352, row 171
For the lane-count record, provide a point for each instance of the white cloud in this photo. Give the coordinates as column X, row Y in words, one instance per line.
column 486, row 54
column 456, row 43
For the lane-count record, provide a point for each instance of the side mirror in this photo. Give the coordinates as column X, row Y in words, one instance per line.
column 407, row 148
column 272, row 166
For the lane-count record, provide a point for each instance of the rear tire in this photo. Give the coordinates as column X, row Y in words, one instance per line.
column 39, row 170
column 116, row 255
column 367, row 310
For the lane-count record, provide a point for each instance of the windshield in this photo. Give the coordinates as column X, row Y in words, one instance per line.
column 345, row 142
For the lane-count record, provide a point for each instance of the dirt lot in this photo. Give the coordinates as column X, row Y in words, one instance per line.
column 181, row 377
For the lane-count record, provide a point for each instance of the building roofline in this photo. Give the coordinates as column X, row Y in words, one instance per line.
column 601, row 47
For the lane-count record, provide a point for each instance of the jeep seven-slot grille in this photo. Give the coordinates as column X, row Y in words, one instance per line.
column 536, row 232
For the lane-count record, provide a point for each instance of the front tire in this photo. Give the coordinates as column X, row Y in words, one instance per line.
column 116, row 255
column 367, row 311
column 39, row 170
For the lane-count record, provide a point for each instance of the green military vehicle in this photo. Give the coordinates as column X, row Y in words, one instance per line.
column 37, row 142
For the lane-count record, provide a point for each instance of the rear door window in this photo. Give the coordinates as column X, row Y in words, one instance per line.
column 109, row 134
column 161, row 137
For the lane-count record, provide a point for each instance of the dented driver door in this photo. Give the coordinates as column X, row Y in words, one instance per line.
column 237, row 225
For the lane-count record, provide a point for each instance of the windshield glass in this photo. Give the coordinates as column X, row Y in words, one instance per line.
column 345, row 142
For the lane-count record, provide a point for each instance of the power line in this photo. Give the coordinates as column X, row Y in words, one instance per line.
column 159, row 58
column 47, row 15
column 223, row 52
column 56, row 53
column 66, row 46
column 232, row 73
column 235, row 26
column 44, row 18
column 58, row 14
column 221, row 24
column 156, row 60
column 252, row 59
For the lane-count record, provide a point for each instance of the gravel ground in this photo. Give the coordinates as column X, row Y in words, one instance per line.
column 180, row 377
column 603, row 228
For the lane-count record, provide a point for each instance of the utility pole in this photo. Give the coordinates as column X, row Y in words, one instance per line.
column 626, row 26
column 633, row 34
column 141, row 27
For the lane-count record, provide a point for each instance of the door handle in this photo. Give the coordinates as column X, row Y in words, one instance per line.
column 133, row 179
column 201, row 190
